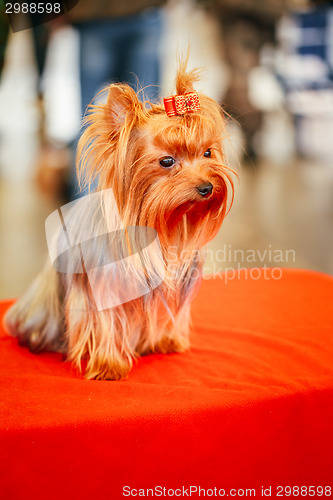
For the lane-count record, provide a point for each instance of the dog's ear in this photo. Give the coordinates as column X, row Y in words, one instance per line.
column 123, row 107
column 107, row 133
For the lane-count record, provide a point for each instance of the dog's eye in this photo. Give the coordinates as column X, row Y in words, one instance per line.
column 208, row 153
column 167, row 161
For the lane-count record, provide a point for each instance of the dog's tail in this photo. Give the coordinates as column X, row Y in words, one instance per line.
column 36, row 319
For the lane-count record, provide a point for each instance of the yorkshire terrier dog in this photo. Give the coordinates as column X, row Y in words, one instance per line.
column 165, row 168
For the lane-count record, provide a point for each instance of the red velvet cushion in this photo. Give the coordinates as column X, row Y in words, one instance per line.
column 250, row 404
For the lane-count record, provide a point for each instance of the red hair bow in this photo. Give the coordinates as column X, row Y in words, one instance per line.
column 182, row 104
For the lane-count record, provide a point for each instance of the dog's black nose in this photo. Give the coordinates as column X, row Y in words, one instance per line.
column 205, row 189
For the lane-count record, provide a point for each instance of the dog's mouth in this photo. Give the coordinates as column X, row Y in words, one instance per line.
column 196, row 209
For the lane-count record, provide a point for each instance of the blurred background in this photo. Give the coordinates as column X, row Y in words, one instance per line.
column 268, row 62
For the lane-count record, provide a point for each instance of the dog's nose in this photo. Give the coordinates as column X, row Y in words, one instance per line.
column 205, row 189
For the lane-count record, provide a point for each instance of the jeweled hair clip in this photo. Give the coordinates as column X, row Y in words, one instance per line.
column 182, row 104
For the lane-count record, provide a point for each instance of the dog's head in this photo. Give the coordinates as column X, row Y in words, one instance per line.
column 167, row 172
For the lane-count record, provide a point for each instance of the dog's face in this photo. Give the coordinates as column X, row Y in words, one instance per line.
column 166, row 172
column 181, row 178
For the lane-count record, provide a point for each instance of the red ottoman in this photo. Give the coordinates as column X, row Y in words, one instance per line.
column 247, row 411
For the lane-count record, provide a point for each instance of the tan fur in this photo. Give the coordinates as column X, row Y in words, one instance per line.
column 121, row 146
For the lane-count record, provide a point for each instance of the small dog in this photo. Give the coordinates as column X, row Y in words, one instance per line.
column 165, row 166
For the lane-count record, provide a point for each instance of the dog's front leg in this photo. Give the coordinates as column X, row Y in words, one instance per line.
column 96, row 338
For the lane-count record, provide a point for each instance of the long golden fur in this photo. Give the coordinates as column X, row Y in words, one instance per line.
column 121, row 146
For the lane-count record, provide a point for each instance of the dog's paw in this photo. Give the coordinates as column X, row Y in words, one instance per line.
column 171, row 344
column 107, row 371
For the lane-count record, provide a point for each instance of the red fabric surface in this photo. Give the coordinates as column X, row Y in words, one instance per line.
column 250, row 404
